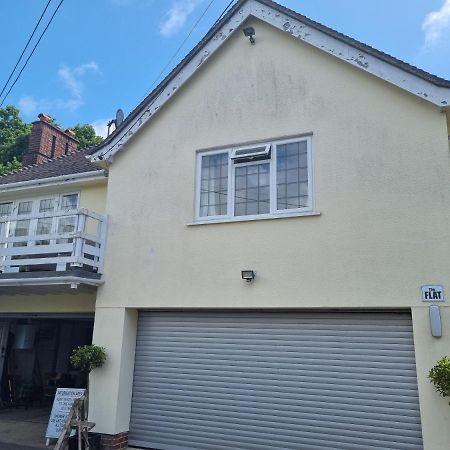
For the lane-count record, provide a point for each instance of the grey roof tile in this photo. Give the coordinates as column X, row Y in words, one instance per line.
column 70, row 164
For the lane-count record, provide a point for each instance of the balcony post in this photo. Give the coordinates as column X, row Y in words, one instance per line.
column 103, row 232
column 78, row 241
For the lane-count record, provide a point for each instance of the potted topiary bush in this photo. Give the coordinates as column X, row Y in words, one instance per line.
column 440, row 376
column 87, row 358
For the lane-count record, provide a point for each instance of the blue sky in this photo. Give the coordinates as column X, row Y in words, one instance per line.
column 99, row 55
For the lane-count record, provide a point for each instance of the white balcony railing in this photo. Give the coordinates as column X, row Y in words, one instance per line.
column 54, row 241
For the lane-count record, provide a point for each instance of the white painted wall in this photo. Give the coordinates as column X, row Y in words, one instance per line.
column 382, row 184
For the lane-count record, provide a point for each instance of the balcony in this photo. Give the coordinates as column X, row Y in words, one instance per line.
column 52, row 252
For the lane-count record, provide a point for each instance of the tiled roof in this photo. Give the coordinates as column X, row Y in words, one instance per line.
column 438, row 81
column 70, row 164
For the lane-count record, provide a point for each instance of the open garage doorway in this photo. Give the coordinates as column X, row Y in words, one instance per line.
column 34, row 362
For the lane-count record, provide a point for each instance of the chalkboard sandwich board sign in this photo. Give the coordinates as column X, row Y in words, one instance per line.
column 62, row 403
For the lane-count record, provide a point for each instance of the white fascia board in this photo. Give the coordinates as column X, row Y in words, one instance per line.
column 85, row 177
column 49, row 281
column 416, row 85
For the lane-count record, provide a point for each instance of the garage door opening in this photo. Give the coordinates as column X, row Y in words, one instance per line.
column 35, row 362
column 271, row 381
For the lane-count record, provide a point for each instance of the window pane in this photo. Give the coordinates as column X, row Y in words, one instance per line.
column 241, row 182
column 292, row 176
column 241, row 171
column 69, row 201
column 214, row 185
column 252, row 208
column 44, row 226
column 5, row 209
column 263, row 207
column 264, row 193
column 47, row 205
column 25, row 208
column 66, row 225
column 292, row 190
column 251, row 194
column 21, row 229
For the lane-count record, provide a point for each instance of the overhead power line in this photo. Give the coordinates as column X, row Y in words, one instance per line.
column 25, row 48
column 32, row 51
column 182, row 44
column 223, row 12
column 180, row 47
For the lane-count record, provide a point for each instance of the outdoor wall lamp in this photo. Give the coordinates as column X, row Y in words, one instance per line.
column 248, row 275
column 249, row 32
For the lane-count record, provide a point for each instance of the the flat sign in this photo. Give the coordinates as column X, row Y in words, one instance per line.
column 433, row 293
column 62, row 403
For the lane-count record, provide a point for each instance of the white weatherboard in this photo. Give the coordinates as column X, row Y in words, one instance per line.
column 433, row 293
column 62, row 403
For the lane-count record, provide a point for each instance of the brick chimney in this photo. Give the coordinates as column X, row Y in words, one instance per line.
column 47, row 141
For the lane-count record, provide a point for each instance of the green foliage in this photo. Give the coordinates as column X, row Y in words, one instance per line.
column 440, row 376
column 14, row 135
column 85, row 135
column 88, row 357
column 10, row 166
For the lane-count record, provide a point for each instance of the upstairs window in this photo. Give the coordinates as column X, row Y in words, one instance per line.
column 264, row 180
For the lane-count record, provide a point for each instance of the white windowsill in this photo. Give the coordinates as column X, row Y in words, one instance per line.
column 252, row 218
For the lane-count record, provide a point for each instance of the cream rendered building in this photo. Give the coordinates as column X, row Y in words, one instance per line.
column 317, row 166
column 320, row 164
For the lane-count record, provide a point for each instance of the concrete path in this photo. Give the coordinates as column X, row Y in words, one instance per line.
column 9, row 446
column 24, row 429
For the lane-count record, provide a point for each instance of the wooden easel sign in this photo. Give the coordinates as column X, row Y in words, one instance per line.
column 62, row 403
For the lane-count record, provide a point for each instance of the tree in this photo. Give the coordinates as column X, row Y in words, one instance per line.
column 440, row 376
column 86, row 136
column 86, row 358
column 10, row 166
column 14, row 135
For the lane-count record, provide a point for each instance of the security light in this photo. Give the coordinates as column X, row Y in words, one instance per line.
column 249, row 32
column 248, row 275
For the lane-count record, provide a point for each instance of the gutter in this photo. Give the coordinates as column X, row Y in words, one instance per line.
column 49, row 281
column 61, row 179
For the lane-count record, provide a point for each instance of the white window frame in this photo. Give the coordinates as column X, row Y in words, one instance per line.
column 274, row 212
column 15, row 217
column 253, row 154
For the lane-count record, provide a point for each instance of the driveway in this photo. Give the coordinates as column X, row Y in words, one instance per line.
column 23, row 429
column 8, row 446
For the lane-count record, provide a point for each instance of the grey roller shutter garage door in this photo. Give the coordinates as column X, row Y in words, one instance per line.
column 265, row 380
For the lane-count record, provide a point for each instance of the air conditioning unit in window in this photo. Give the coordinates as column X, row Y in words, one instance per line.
column 247, row 154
